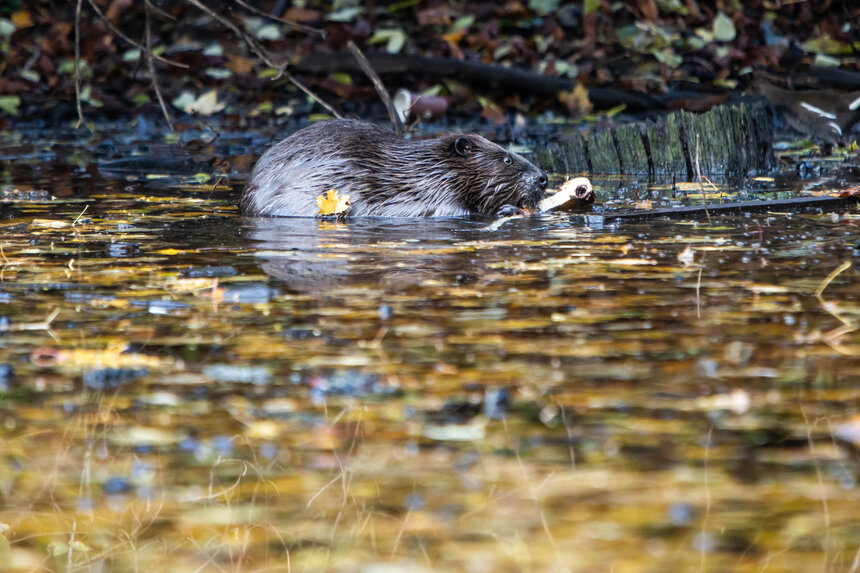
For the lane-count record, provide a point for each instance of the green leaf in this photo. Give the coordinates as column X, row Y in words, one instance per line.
column 544, row 7
column 131, row 56
column 9, row 104
column 141, row 99
column 462, row 23
column 590, row 6
column 724, row 28
column 57, row 548
column 218, row 73
column 672, row 6
column 5, row 549
column 342, row 78
column 616, row 110
column 395, row 39
column 345, row 15
column 214, row 50
column 6, row 27
column 80, row 546
column 566, row 69
column 668, row 58
column 827, row 61
column 827, row 45
column 269, row 32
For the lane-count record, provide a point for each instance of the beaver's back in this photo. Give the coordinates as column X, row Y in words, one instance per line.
column 289, row 177
column 387, row 175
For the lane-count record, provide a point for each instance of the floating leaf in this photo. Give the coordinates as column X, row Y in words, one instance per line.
column 332, row 204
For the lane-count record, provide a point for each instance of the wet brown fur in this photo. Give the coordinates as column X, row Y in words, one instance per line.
column 388, row 175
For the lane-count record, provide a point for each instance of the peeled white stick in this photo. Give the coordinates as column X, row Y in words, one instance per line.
column 573, row 189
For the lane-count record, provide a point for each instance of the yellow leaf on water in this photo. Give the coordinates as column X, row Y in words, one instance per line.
column 332, row 204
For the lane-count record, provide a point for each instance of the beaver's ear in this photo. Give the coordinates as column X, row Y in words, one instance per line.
column 463, row 145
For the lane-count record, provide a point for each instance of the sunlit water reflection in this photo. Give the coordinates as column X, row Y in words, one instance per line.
column 184, row 389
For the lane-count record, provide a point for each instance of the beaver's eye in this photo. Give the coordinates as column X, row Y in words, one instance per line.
column 507, row 159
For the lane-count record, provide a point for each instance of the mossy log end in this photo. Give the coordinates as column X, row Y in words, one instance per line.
column 727, row 140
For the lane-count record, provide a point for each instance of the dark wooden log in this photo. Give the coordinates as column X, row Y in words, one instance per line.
column 506, row 79
column 603, row 153
column 571, row 156
column 727, row 140
column 630, row 139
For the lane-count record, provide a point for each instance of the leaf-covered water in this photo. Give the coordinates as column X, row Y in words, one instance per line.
column 183, row 389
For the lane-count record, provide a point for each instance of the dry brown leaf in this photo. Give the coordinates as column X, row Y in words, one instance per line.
column 576, row 100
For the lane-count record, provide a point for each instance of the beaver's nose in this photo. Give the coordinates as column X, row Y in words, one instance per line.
column 542, row 180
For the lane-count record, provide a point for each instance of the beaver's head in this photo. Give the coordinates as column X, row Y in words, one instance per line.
column 487, row 176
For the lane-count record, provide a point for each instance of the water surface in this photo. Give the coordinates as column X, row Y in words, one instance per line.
column 184, row 389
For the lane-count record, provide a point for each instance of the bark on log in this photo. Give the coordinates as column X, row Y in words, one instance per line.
column 732, row 140
column 512, row 80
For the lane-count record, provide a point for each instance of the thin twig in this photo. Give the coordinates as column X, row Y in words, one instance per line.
column 151, row 65
column 78, row 65
column 379, row 86
column 81, row 215
column 291, row 23
column 829, row 278
column 137, row 45
column 310, row 93
column 699, row 178
column 255, row 47
column 832, row 337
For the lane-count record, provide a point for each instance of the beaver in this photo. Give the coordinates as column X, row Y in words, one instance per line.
column 387, row 175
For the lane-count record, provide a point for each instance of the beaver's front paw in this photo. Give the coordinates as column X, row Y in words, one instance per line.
column 510, row 211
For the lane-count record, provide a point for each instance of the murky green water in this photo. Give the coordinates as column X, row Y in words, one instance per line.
column 182, row 389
